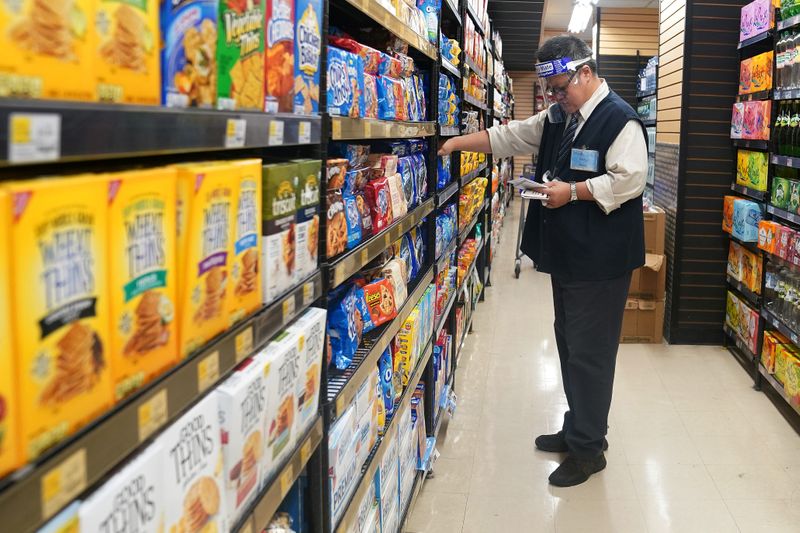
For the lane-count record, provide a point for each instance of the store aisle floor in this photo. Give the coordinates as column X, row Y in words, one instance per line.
column 693, row 448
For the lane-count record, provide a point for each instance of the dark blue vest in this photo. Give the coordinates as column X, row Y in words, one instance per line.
column 579, row 242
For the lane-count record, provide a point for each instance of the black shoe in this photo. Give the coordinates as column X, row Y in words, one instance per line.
column 574, row 471
column 555, row 443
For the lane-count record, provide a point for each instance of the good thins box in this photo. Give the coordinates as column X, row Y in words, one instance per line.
column 9, row 451
column 240, row 53
column 60, row 308
column 311, row 327
column 279, row 242
column 307, row 246
column 206, row 208
column 279, row 62
column 243, row 410
column 46, row 49
column 245, row 293
column 126, row 51
column 193, row 483
column 132, row 500
column 143, row 287
column 307, row 52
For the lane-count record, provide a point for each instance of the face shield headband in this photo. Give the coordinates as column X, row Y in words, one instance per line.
column 556, row 67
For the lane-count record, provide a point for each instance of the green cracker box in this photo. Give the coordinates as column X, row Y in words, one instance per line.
column 240, row 55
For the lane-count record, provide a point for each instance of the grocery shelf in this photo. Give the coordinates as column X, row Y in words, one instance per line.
column 749, row 295
column 345, row 128
column 648, row 94
column 753, row 40
column 752, row 246
column 41, row 131
column 788, row 23
column 649, row 122
column 449, row 131
column 100, row 447
column 785, row 161
column 474, row 101
column 782, row 262
column 263, row 510
column 751, row 144
column 349, row 518
column 776, row 322
column 469, row 176
column 786, row 94
column 443, row 196
column 474, row 68
column 390, row 22
column 775, row 384
column 472, row 267
column 342, row 267
column 747, row 191
column 452, row 69
column 444, row 258
column 760, row 95
column 452, row 6
column 783, row 214
column 343, row 386
column 463, row 234
column 464, row 334
column 475, row 19
column 445, row 314
column 419, row 479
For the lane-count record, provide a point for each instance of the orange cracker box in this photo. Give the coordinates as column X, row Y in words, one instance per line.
column 727, row 213
column 279, row 65
column 245, row 293
column 46, row 49
column 9, row 456
column 206, row 200
column 240, row 55
column 142, row 288
column 126, row 48
column 60, row 316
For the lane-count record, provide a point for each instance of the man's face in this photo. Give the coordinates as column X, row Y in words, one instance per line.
column 568, row 90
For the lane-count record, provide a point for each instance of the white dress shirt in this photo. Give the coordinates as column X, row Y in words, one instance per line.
column 626, row 159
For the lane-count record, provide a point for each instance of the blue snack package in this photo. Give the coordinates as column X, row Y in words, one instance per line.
column 409, row 179
column 419, row 246
column 366, row 214
column 355, row 180
column 386, row 369
column 443, row 173
column 398, row 148
column 386, row 98
column 344, row 329
column 361, row 305
column 353, row 217
column 421, row 172
column 430, row 11
column 356, row 154
column 345, row 92
column 409, row 254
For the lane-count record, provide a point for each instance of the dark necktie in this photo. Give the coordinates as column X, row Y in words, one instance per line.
column 567, row 140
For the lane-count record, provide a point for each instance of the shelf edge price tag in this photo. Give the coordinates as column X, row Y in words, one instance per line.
column 235, row 133
column 152, row 414
column 208, row 371
column 244, row 343
column 308, row 293
column 275, row 133
column 63, row 483
column 304, row 132
column 364, row 256
column 305, row 451
column 288, row 308
column 34, row 137
column 287, row 480
column 340, row 404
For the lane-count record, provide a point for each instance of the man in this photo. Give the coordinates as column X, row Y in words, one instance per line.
column 589, row 234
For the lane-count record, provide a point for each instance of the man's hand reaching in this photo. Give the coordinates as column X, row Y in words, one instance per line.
column 559, row 194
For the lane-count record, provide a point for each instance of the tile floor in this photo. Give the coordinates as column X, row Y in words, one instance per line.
column 693, row 447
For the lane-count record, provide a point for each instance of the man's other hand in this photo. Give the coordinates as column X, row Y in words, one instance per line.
column 559, row 194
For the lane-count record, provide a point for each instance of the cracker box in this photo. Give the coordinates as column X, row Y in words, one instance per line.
column 193, row 483
column 143, row 287
column 189, row 53
column 242, row 413
column 767, row 236
column 751, row 269
column 746, row 216
column 127, row 55
column 308, row 191
column 307, row 51
column 279, row 242
column 751, row 169
column 9, row 451
column 727, row 213
column 780, row 192
column 345, row 92
column 60, row 306
column 407, row 343
column 279, row 64
column 47, row 49
column 792, row 385
column 311, row 328
column 240, row 55
column 343, row 468
column 132, row 500
column 245, row 295
column 206, row 200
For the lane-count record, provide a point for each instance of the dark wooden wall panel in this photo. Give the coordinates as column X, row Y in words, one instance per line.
column 621, row 73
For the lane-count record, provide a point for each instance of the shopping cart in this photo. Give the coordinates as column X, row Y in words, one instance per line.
column 528, row 171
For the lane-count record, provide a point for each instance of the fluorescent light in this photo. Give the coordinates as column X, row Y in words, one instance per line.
column 581, row 15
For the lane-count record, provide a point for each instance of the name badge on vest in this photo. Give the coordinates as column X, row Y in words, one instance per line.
column 586, row 160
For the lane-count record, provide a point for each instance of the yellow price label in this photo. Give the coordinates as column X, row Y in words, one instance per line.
column 63, row 483
column 367, row 129
column 364, row 256
column 387, row 239
column 152, row 414
column 308, row 293
column 340, row 404
column 275, row 132
column 244, row 343
column 287, row 479
column 20, row 129
column 305, row 451
column 337, row 128
column 288, row 309
column 208, row 371
column 338, row 275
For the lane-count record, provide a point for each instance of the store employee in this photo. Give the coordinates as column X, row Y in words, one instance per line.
column 589, row 234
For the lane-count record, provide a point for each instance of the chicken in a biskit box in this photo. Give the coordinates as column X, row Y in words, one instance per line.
column 308, row 48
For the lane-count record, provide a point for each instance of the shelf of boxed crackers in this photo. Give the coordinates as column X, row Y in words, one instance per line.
column 779, row 360
column 124, row 294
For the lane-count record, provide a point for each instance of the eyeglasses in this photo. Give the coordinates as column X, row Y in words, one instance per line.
column 560, row 92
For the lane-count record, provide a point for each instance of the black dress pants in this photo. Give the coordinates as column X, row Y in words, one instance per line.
column 588, row 323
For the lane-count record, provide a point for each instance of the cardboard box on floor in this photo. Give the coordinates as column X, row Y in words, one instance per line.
column 643, row 322
column 650, row 281
column 654, row 226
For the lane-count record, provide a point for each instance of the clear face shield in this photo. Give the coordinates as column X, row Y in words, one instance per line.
column 556, row 93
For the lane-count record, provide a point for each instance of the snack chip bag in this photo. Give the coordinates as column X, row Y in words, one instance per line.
column 355, row 154
column 58, row 229
column 336, row 170
column 240, row 55
column 355, row 180
column 189, row 53
column 405, row 166
column 363, row 310
column 345, row 91
column 143, row 279
column 370, row 96
column 366, row 215
column 379, row 200
column 345, row 326
column 336, row 239
column 396, row 271
column 386, row 369
column 246, row 279
column 307, row 53
column 353, row 218
column 47, row 50
column 381, row 301
column 279, row 63
column 398, row 199
column 387, row 103
column 127, row 52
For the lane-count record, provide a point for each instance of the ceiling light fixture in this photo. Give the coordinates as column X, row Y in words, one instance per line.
column 581, row 15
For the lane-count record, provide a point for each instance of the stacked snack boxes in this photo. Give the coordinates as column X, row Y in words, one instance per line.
column 743, row 320
column 279, row 239
column 246, row 279
column 9, row 445
column 60, row 306
column 751, row 169
column 311, row 329
column 746, row 216
column 755, row 73
column 745, row 266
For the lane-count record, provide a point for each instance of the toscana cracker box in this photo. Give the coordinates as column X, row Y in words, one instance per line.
column 240, row 54
column 189, row 53
column 245, row 295
column 280, row 207
column 46, row 48
column 9, row 451
column 193, row 486
column 60, row 306
column 126, row 48
column 142, row 246
column 206, row 207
